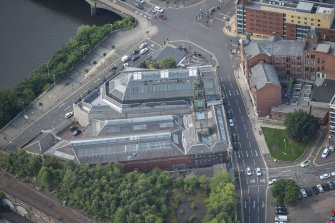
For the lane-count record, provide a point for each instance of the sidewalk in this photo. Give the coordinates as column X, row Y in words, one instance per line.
column 123, row 42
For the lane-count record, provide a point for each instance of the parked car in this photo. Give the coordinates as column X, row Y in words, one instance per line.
column 309, row 192
column 305, row 163
column 320, row 188
column 229, row 114
column 326, row 186
column 136, row 51
column 139, row 6
column 158, row 9
column 331, row 185
column 143, row 51
column 231, row 122
column 281, row 211
column 280, row 207
column 76, row 132
column 69, row 115
column 272, row 181
column 303, row 192
column 140, row 1
column 125, row 58
column 331, row 148
column 324, row 176
column 125, row 65
column 162, row 17
column 332, row 173
column 73, row 127
column 249, row 171
column 258, row 171
column 325, row 153
column 143, row 45
column 315, row 190
column 135, row 57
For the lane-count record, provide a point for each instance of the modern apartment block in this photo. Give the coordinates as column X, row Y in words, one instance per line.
column 332, row 121
column 291, row 20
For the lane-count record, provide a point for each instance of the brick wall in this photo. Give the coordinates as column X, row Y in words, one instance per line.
column 266, row 97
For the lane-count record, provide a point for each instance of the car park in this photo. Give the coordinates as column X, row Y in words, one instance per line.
column 305, row 163
column 325, row 153
column 258, row 171
column 303, row 192
column 143, row 51
column 324, row 176
column 320, row 188
column 248, row 171
column 272, row 181
column 143, row 45
column 231, row 122
column 158, row 9
column 69, row 115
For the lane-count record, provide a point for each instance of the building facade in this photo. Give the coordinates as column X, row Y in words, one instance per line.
column 332, row 121
column 288, row 19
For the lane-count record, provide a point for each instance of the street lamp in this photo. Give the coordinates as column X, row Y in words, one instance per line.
column 285, row 143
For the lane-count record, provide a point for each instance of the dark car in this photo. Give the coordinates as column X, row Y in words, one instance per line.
column 326, row 186
column 162, row 17
column 331, row 185
column 315, row 190
column 139, row 6
column 280, row 207
column 229, row 115
column 136, row 51
column 73, row 127
column 135, row 57
column 309, row 192
column 76, row 132
column 281, row 212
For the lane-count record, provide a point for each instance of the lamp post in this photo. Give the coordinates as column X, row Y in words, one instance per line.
column 285, row 143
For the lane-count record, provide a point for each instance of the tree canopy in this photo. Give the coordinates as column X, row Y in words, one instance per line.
column 285, row 191
column 301, row 126
column 167, row 63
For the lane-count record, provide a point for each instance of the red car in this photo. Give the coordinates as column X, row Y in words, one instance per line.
column 162, row 17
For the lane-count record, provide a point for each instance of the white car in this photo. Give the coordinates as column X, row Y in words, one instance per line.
column 158, row 9
column 140, row 1
column 258, row 171
column 332, row 173
column 331, row 148
column 305, row 163
column 143, row 45
column 272, row 181
column 143, row 51
column 249, row 171
column 231, row 123
column 324, row 176
column 320, row 188
column 325, row 153
column 303, row 192
column 125, row 65
column 69, row 115
column 125, row 58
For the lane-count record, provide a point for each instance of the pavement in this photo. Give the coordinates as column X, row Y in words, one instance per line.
column 123, row 41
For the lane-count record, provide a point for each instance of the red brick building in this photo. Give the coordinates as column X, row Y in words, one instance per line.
column 265, row 88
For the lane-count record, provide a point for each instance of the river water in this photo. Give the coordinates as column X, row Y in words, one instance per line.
column 32, row 30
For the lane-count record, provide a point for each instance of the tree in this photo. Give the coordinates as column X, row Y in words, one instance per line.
column 44, row 177
column 9, row 105
column 285, row 191
column 301, row 126
column 167, row 63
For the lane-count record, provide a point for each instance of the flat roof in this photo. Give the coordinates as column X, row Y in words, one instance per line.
column 324, row 10
column 322, row 47
column 324, row 92
column 305, row 6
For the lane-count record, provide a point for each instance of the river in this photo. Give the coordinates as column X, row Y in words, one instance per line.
column 32, row 30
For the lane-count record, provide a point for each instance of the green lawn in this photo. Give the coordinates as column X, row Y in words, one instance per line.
column 276, row 138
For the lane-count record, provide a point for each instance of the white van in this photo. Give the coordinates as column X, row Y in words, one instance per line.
column 281, row 218
column 125, row 58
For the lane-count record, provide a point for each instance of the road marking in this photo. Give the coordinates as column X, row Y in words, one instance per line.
column 249, row 145
column 228, row 77
column 67, row 108
column 231, row 85
column 251, row 153
column 238, row 153
column 245, row 204
column 254, row 162
column 247, row 135
column 243, row 163
column 245, row 128
column 263, row 204
column 254, row 205
column 248, row 190
column 256, row 153
column 261, row 181
column 247, row 153
column 240, row 111
column 219, row 19
column 237, row 92
column 229, row 93
column 252, row 181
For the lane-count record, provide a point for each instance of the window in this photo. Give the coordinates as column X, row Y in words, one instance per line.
column 318, row 20
column 312, row 19
column 292, row 21
column 306, row 68
column 312, row 24
column 298, row 17
column 318, row 24
column 305, row 18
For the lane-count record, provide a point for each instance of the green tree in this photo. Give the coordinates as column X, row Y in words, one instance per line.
column 167, row 63
column 301, row 126
column 9, row 105
column 44, row 177
column 2, row 195
column 285, row 191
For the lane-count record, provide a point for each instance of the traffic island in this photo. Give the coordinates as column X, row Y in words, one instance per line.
column 281, row 147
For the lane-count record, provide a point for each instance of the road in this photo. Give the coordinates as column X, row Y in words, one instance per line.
column 206, row 33
column 40, row 201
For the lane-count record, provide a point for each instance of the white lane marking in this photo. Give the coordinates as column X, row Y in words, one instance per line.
column 248, row 190
column 243, row 163
column 256, row 153
column 263, row 204
column 252, row 181
column 261, row 181
column 231, row 85
column 67, row 108
column 254, row 162
column 245, row 128
column 229, row 93
column 254, row 205
column 246, row 152
column 247, row 135
column 228, row 77
column 237, row 92
column 238, row 153
column 242, row 119
column 249, row 145
column 240, row 111
column 245, row 204
column 219, row 19
column 251, row 153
